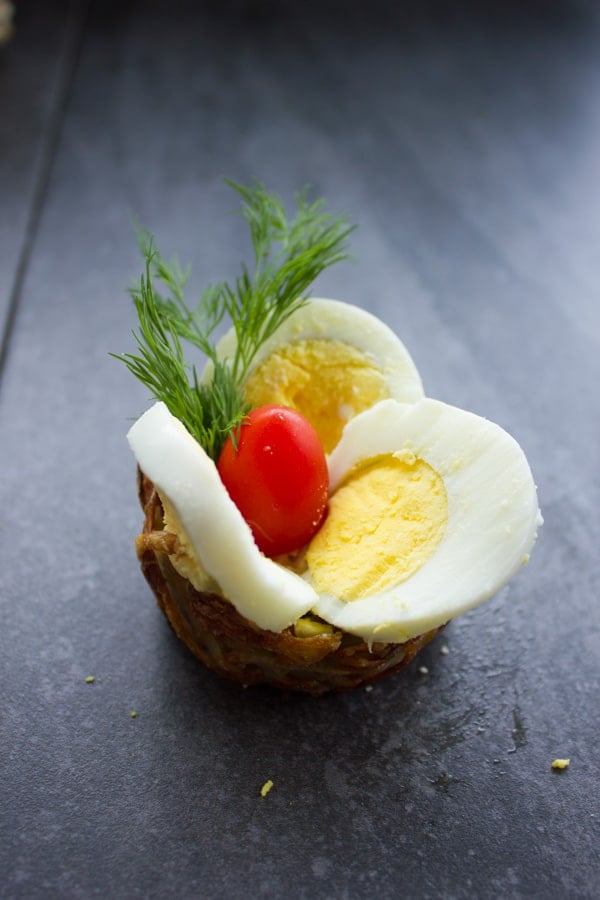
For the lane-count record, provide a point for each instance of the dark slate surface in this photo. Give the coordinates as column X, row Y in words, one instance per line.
column 35, row 74
column 465, row 141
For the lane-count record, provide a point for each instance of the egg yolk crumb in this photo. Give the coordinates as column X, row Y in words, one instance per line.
column 309, row 627
column 327, row 381
column 384, row 522
column 266, row 788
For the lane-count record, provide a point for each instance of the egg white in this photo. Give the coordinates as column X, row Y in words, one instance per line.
column 334, row 320
column 213, row 527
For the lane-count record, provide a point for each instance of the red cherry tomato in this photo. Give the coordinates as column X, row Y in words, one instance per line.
column 277, row 477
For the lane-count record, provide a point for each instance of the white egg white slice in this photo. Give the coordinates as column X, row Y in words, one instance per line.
column 261, row 590
column 335, row 320
column 492, row 523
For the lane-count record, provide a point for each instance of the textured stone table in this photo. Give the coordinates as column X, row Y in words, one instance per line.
column 464, row 139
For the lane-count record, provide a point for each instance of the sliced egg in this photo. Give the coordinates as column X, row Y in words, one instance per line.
column 216, row 541
column 329, row 361
column 433, row 510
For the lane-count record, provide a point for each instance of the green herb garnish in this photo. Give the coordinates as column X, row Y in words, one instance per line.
column 288, row 256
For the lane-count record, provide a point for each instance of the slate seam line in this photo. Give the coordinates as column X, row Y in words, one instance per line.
column 73, row 42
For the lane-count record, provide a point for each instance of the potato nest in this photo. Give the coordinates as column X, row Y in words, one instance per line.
column 239, row 650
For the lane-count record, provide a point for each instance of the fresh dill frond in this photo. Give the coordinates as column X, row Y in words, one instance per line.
column 288, row 256
column 208, row 411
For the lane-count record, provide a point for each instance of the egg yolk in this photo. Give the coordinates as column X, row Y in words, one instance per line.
column 384, row 522
column 327, row 381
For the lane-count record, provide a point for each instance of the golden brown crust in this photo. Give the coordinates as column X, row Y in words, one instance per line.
column 238, row 649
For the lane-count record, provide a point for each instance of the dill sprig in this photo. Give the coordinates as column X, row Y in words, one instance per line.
column 289, row 254
column 208, row 411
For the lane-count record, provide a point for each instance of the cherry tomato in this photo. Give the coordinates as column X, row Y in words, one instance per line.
column 277, row 477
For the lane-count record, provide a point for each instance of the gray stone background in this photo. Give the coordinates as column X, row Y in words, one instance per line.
column 464, row 139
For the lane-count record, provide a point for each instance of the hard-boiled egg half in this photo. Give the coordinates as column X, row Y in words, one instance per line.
column 329, row 361
column 432, row 509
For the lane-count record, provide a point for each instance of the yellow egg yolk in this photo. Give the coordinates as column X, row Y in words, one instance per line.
column 384, row 522
column 327, row 381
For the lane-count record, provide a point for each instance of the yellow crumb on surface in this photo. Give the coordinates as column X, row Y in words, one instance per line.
column 90, row 679
column 266, row 788
column 133, row 714
column 561, row 763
